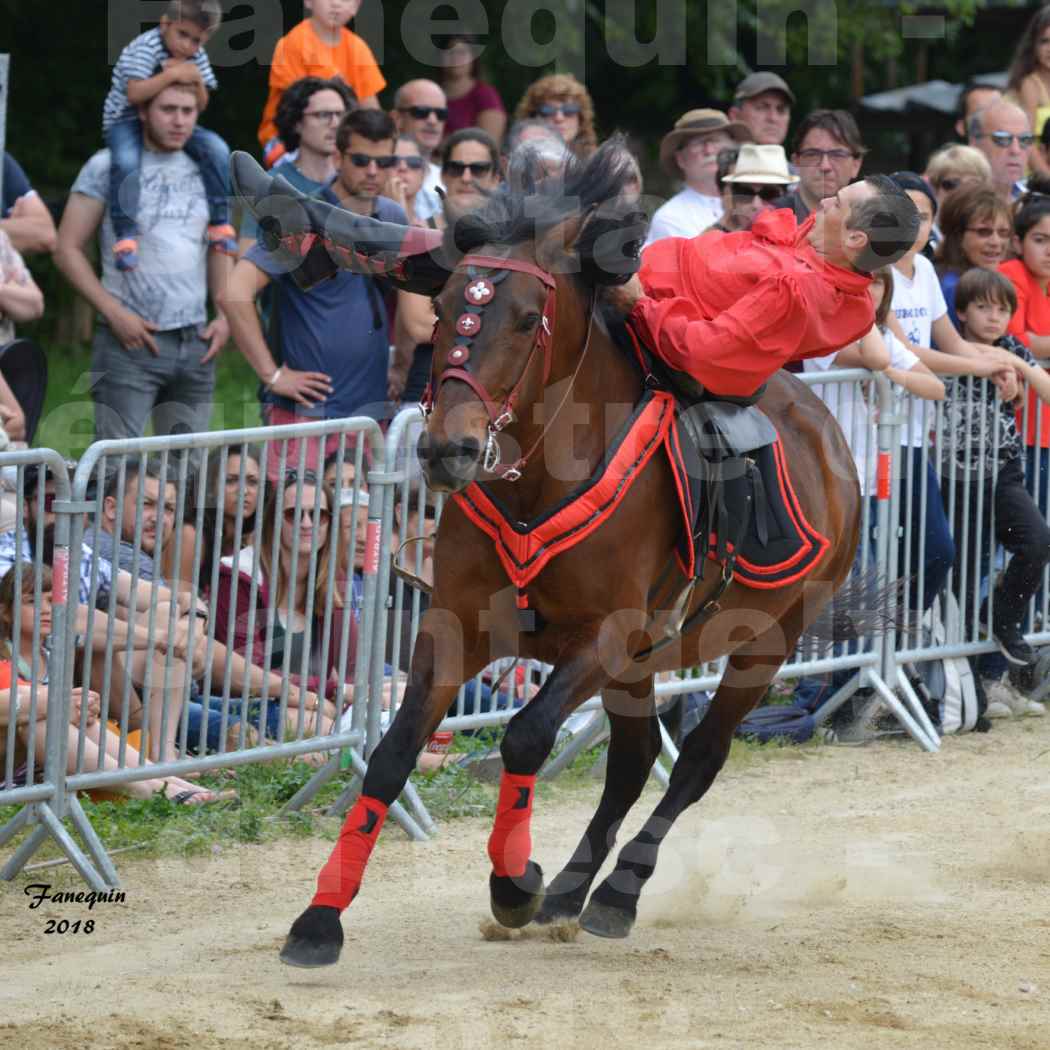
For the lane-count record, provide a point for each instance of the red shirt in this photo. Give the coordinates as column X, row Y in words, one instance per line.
column 1032, row 315
column 732, row 310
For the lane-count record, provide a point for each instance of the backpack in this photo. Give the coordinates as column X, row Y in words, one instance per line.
column 946, row 686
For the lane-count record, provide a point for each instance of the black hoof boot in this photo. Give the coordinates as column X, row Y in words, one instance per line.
column 565, row 899
column 515, row 901
column 604, row 920
column 315, row 939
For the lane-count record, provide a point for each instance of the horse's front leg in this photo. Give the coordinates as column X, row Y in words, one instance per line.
column 634, row 745
column 439, row 667
column 516, row 882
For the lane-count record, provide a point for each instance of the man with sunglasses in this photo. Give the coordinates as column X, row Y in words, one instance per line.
column 329, row 347
column 420, row 110
column 1003, row 133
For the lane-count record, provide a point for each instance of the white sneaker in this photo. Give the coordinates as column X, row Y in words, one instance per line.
column 1034, row 707
column 1003, row 695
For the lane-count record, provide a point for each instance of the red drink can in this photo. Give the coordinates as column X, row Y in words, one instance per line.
column 440, row 742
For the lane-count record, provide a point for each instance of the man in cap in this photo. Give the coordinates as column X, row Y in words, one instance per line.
column 690, row 152
column 828, row 155
column 763, row 102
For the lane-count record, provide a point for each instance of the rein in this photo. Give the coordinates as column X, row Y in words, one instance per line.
column 478, row 293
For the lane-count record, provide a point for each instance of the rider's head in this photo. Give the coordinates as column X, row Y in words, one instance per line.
column 866, row 225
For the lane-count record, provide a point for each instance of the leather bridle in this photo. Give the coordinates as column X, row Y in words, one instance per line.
column 479, row 291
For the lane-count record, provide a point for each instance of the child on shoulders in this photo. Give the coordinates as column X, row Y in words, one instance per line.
column 319, row 46
column 172, row 53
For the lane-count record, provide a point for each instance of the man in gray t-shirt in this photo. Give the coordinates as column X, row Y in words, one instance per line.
column 154, row 349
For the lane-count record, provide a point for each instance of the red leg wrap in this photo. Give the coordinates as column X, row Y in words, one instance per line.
column 340, row 878
column 510, row 843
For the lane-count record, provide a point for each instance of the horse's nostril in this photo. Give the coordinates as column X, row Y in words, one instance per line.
column 467, row 448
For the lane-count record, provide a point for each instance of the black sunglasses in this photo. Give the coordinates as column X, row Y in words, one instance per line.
column 412, row 162
column 362, row 160
column 746, row 191
column 422, row 112
column 456, row 168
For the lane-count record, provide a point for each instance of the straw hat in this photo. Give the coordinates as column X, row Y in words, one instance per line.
column 697, row 122
column 762, row 165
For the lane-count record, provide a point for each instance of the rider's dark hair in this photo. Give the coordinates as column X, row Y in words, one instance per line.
column 889, row 218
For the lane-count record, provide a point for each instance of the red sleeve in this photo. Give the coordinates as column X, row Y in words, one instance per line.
column 736, row 352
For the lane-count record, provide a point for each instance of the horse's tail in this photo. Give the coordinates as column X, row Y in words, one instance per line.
column 865, row 605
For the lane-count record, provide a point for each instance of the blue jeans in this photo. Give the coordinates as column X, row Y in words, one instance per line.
column 939, row 552
column 209, row 152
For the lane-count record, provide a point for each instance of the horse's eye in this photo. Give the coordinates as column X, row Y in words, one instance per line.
column 528, row 322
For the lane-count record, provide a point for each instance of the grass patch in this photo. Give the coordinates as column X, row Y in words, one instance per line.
column 68, row 421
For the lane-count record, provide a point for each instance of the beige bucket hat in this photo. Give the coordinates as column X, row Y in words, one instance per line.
column 697, row 122
column 762, row 165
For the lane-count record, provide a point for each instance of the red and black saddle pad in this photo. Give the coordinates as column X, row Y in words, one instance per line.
column 779, row 545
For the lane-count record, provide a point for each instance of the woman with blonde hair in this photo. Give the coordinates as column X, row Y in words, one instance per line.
column 956, row 167
column 563, row 103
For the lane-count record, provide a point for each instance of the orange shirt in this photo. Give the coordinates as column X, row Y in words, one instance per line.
column 731, row 310
column 1032, row 315
column 302, row 53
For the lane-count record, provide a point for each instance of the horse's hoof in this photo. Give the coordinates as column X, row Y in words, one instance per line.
column 515, row 901
column 561, row 905
column 605, row 921
column 315, row 939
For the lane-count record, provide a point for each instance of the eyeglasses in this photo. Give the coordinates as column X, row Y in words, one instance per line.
column 746, row 191
column 413, row 162
column 984, row 232
column 325, row 116
column 1003, row 139
column 319, row 514
column 422, row 112
column 550, row 109
column 362, row 160
column 456, row 168
column 809, row 157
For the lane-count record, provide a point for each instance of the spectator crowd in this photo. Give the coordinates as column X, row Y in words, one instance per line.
column 963, row 318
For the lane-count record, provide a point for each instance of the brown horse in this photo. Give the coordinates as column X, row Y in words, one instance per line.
column 534, row 381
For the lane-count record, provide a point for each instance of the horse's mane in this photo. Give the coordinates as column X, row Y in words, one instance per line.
column 608, row 243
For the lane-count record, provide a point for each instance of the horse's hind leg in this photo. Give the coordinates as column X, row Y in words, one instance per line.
column 613, row 906
column 633, row 748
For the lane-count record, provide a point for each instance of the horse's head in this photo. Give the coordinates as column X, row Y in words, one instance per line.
column 529, row 259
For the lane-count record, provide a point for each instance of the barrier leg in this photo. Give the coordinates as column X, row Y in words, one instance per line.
column 836, row 700
column 15, row 825
column 90, row 838
column 397, row 811
column 21, row 856
column 915, row 704
column 309, row 790
column 76, row 855
column 418, row 807
column 902, row 715
column 581, row 740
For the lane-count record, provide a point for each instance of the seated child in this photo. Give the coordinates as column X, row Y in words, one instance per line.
column 172, row 53
column 981, row 449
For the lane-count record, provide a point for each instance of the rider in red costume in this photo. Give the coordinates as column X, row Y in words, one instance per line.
column 728, row 312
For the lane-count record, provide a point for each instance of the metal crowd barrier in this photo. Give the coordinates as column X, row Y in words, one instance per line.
column 170, row 682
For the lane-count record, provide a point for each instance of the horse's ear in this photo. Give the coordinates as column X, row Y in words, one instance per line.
column 556, row 250
column 609, row 243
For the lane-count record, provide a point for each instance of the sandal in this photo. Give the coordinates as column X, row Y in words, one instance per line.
column 184, row 798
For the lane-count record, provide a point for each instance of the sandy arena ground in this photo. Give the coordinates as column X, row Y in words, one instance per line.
column 838, row 898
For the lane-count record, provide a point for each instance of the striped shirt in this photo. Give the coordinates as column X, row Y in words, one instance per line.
column 140, row 60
